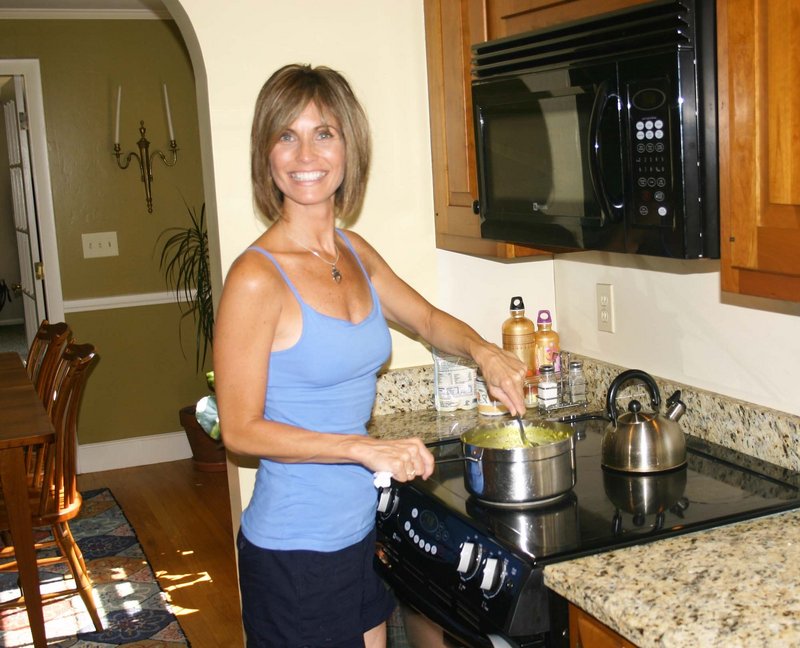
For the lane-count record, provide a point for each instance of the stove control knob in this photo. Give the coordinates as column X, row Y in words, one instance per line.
column 468, row 559
column 386, row 501
column 491, row 575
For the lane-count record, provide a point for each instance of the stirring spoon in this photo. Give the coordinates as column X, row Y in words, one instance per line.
column 522, row 436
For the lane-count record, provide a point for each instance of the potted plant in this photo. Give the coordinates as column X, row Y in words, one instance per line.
column 185, row 264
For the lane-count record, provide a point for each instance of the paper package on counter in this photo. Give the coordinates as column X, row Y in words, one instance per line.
column 453, row 382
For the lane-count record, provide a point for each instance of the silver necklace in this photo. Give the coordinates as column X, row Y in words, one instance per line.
column 335, row 274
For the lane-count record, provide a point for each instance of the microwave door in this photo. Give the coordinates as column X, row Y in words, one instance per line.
column 546, row 141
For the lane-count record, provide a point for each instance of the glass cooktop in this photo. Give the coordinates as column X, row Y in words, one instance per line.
column 607, row 509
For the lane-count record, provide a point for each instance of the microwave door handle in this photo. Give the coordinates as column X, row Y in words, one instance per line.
column 601, row 99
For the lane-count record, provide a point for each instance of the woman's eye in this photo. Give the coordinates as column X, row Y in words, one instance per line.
column 325, row 134
column 286, row 137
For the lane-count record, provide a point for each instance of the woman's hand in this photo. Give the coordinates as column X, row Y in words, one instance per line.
column 504, row 374
column 406, row 459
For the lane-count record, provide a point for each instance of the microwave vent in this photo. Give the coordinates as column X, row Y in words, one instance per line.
column 663, row 25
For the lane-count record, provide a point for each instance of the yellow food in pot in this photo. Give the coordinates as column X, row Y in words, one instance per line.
column 508, row 438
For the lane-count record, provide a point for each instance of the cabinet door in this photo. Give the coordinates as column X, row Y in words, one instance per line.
column 451, row 26
column 759, row 127
column 587, row 632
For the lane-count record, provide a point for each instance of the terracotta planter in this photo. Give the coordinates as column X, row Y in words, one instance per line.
column 208, row 455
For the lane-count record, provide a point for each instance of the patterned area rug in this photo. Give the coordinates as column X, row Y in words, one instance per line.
column 133, row 608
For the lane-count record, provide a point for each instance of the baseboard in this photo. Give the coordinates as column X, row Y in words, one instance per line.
column 139, row 451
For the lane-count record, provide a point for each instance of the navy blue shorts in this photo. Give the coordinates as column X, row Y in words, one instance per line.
column 311, row 599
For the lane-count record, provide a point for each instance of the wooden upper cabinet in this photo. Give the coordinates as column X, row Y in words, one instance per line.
column 759, row 126
column 451, row 26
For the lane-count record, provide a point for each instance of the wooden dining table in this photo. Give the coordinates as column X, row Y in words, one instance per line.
column 23, row 422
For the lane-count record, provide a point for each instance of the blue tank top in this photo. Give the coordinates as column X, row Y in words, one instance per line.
column 325, row 382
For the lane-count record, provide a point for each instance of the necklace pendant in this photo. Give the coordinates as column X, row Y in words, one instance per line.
column 337, row 276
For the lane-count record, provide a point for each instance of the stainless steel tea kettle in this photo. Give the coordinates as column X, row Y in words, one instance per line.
column 643, row 442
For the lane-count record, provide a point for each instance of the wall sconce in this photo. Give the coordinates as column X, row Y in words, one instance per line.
column 144, row 157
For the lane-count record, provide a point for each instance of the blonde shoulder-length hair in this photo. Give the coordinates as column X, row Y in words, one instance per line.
column 281, row 100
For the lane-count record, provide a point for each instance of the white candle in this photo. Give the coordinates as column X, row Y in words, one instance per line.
column 169, row 115
column 116, row 128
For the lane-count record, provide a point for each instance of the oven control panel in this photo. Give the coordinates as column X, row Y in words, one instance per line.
column 431, row 553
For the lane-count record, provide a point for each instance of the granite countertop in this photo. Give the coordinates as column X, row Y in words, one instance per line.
column 736, row 585
column 429, row 425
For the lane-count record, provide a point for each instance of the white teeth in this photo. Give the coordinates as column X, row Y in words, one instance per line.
column 307, row 176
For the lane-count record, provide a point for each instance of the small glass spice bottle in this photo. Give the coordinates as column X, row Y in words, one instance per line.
column 531, row 389
column 548, row 387
column 576, row 383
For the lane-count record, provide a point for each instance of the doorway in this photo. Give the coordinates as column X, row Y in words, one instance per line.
column 42, row 252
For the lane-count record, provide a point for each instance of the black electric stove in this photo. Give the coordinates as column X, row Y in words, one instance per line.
column 476, row 569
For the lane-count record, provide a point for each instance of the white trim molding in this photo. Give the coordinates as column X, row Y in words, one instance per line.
column 136, row 451
column 112, row 302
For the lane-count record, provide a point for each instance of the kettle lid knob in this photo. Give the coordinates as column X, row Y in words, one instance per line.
column 634, row 407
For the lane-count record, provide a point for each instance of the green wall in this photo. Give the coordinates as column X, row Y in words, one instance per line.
column 142, row 378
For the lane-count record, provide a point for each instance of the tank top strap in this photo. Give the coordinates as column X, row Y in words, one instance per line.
column 355, row 254
column 288, row 281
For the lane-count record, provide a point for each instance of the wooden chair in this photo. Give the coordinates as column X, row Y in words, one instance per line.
column 54, row 497
column 45, row 353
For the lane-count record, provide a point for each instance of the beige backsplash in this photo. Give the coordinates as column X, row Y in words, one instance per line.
column 757, row 431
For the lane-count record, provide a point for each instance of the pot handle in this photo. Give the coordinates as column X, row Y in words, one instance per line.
column 625, row 376
column 454, row 459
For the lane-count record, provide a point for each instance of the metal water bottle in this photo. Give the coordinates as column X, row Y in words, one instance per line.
column 519, row 333
column 547, row 345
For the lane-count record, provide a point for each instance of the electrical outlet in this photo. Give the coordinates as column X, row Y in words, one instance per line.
column 100, row 244
column 605, row 308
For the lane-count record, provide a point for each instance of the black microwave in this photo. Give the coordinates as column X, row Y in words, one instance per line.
column 601, row 134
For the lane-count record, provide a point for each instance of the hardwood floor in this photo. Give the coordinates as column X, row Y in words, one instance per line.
column 182, row 519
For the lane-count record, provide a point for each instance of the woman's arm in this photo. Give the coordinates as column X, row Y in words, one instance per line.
column 248, row 323
column 503, row 371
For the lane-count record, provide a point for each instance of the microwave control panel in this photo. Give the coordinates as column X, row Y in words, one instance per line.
column 652, row 191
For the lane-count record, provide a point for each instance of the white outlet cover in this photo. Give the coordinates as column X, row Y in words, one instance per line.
column 99, row 244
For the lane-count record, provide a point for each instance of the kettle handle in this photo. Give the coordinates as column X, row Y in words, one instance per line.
column 625, row 376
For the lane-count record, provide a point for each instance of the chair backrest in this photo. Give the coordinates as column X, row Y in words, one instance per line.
column 45, row 353
column 59, row 490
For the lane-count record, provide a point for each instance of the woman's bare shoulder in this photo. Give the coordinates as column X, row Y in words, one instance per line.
column 253, row 272
column 363, row 248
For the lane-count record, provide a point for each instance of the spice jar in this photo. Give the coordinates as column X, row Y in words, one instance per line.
column 531, row 391
column 548, row 388
column 576, row 383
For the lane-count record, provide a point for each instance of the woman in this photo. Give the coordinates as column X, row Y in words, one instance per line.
column 301, row 334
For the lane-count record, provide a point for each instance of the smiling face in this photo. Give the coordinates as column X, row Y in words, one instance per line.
column 307, row 162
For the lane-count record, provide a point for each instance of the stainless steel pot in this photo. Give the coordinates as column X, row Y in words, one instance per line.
column 518, row 476
column 643, row 442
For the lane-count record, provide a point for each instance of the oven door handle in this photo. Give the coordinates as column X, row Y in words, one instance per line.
column 601, row 99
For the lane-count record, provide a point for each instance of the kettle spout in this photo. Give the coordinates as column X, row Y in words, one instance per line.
column 675, row 407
